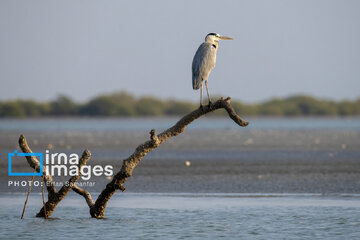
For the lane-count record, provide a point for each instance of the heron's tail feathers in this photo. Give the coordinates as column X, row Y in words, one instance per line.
column 196, row 83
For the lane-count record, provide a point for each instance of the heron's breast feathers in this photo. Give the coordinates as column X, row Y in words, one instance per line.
column 203, row 62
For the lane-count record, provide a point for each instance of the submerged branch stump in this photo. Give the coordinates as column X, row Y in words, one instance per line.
column 54, row 197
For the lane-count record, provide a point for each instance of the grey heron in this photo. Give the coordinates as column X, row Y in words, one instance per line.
column 204, row 61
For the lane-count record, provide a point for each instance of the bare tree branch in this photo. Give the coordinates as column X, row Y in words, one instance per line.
column 90, row 202
column 54, row 197
column 98, row 209
column 35, row 164
column 52, row 203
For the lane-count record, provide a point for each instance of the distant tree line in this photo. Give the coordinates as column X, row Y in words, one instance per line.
column 124, row 104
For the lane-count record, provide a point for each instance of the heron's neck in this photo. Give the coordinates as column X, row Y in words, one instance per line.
column 212, row 42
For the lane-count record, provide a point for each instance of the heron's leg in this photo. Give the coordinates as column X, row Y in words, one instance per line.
column 207, row 90
column 201, row 89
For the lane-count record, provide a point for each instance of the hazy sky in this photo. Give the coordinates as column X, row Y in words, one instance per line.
column 85, row 48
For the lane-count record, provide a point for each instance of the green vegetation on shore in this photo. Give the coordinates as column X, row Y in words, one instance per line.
column 124, row 104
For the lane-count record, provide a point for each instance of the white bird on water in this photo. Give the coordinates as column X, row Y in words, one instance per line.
column 204, row 61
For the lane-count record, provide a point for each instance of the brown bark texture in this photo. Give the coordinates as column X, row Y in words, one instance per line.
column 97, row 208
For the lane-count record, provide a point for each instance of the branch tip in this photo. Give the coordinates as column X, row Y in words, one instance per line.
column 86, row 153
column 22, row 139
column 152, row 132
column 244, row 124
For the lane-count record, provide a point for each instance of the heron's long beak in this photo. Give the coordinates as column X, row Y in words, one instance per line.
column 225, row 38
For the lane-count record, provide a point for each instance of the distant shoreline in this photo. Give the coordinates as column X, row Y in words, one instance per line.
column 126, row 105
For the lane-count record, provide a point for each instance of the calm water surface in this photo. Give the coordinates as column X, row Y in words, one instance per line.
column 190, row 216
column 258, row 160
column 113, row 124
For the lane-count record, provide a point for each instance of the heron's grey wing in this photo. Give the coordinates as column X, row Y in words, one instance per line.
column 203, row 63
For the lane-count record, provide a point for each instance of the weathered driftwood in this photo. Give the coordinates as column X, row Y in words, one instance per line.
column 97, row 208
column 54, row 197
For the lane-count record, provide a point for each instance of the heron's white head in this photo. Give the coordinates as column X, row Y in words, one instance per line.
column 214, row 38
